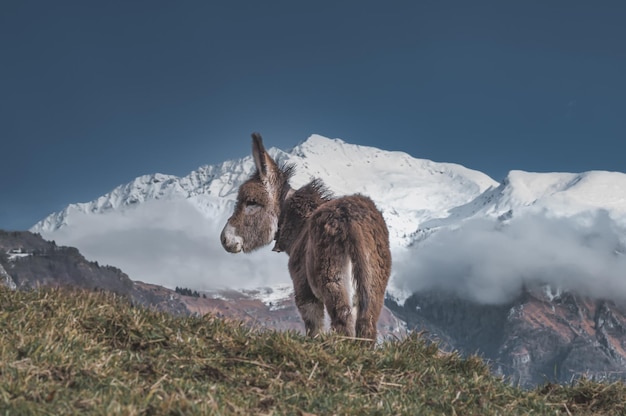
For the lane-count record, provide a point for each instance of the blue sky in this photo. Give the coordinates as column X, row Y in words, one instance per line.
column 93, row 94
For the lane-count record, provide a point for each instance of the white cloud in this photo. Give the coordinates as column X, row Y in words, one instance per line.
column 489, row 262
column 172, row 244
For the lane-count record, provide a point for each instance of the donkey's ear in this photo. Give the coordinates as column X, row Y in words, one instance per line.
column 258, row 153
column 262, row 160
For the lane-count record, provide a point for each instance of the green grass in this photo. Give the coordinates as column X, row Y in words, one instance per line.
column 73, row 352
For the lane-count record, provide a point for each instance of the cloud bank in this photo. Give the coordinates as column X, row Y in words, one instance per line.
column 171, row 243
column 489, row 262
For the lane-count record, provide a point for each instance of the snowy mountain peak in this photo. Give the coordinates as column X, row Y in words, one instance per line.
column 400, row 184
column 527, row 187
column 562, row 194
column 315, row 141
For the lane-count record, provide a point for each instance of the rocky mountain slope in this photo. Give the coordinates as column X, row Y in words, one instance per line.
column 541, row 336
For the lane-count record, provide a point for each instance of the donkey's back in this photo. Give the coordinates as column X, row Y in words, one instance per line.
column 345, row 245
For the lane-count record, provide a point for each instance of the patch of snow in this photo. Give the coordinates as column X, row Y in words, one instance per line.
column 15, row 254
column 216, row 295
column 6, row 279
column 273, row 297
column 552, row 293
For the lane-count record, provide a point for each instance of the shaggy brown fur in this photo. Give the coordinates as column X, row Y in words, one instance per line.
column 338, row 249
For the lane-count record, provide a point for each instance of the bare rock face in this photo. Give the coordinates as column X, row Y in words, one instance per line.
column 29, row 262
column 536, row 338
column 563, row 338
column 6, row 279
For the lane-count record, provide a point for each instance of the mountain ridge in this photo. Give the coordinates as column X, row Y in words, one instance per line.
column 222, row 180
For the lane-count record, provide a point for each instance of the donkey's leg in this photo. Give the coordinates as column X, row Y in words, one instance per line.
column 367, row 318
column 336, row 284
column 312, row 313
column 339, row 308
column 310, row 307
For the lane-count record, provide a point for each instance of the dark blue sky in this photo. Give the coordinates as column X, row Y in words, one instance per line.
column 93, row 94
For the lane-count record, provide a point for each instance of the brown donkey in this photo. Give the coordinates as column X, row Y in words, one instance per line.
column 338, row 247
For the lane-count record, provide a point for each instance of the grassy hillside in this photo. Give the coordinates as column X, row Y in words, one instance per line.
column 92, row 353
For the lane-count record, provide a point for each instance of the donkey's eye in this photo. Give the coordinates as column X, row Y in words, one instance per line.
column 251, row 207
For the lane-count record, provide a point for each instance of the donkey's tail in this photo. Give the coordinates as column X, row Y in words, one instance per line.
column 371, row 266
column 362, row 275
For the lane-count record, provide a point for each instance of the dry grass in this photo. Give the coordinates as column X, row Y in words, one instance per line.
column 71, row 352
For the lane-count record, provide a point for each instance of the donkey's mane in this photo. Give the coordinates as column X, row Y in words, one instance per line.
column 288, row 170
column 296, row 209
column 317, row 190
column 307, row 199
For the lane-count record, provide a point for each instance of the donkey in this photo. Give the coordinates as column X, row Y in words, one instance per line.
column 338, row 248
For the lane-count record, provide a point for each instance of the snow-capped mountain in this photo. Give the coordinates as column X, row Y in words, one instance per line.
column 408, row 190
column 164, row 229
column 566, row 230
column 447, row 222
column 563, row 194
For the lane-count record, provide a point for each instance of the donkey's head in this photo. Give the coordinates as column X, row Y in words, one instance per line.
column 255, row 220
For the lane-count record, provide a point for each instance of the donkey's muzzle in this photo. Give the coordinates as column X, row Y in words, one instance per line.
column 230, row 240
